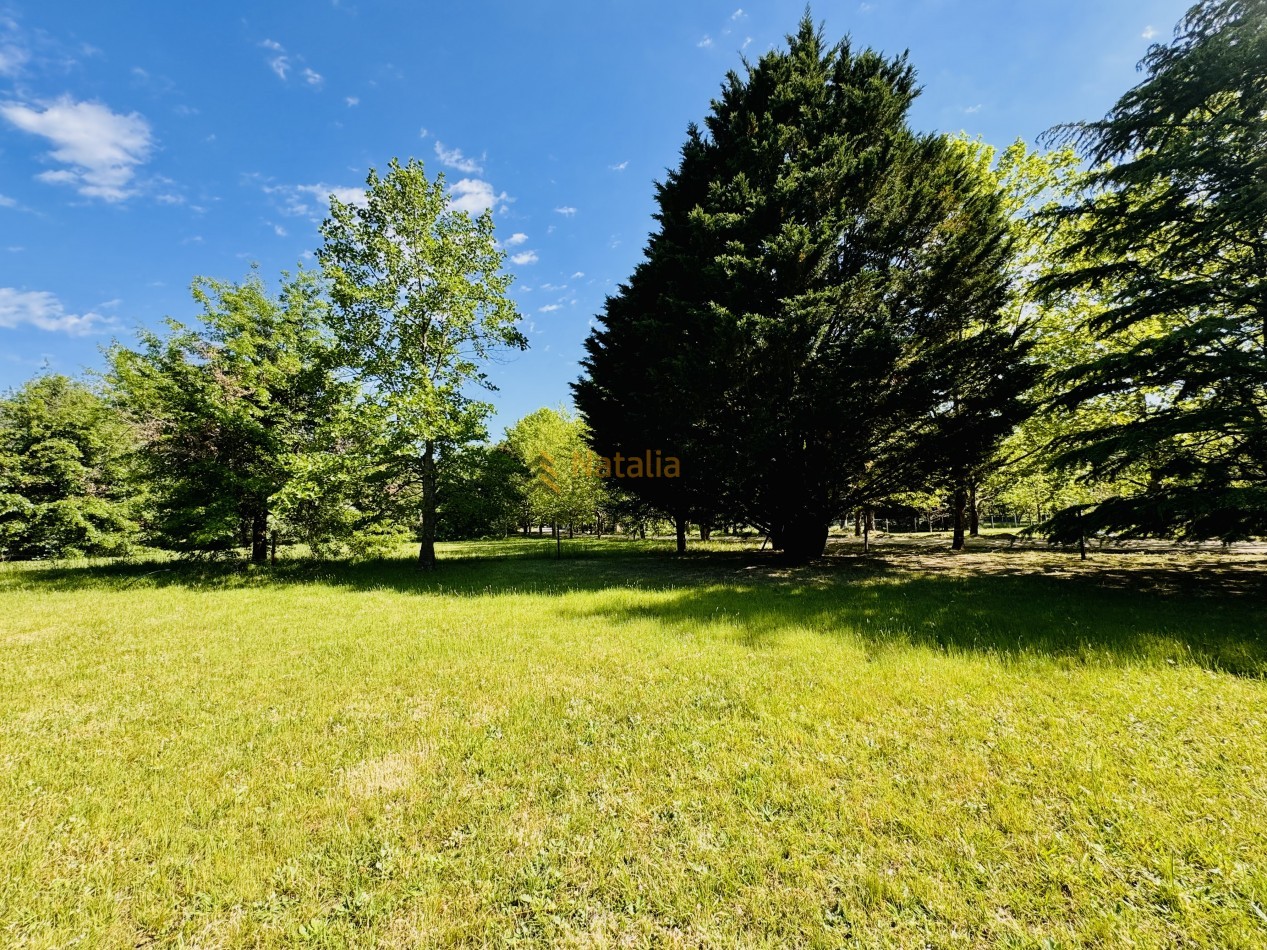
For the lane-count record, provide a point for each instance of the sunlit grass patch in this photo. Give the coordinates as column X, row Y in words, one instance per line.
column 622, row 747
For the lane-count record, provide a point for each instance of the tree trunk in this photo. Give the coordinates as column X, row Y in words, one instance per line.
column 960, row 503
column 857, row 523
column 974, row 516
column 259, row 537
column 679, row 523
column 427, row 547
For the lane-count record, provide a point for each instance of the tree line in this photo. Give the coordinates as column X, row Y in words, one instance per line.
column 836, row 316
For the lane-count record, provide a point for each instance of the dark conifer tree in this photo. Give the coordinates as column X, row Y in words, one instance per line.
column 817, row 319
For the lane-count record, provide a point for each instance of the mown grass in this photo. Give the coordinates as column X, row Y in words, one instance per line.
column 623, row 748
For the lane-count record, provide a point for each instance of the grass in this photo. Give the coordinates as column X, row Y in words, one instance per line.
column 622, row 748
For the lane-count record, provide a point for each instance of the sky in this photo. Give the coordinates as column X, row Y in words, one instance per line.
column 142, row 145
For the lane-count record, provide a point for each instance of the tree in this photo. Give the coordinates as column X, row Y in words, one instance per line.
column 224, row 408
column 480, row 493
column 566, row 487
column 659, row 366
column 1023, row 473
column 65, row 484
column 831, row 333
column 1172, row 229
column 420, row 305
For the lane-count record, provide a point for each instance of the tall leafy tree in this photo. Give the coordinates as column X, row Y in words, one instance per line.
column 1173, row 230
column 833, row 330
column 224, row 407
column 421, row 306
column 565, row 486
column 66, row 487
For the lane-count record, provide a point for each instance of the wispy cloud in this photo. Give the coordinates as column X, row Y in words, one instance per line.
column 101, row 149
column 524, row 257
column 282, row 63
column 706, row 42
column 312, row 201
column 516, row 239
column 567, row 211
column 738, row 14
column 1149, row 33
column 351, row 101
column 973, row 110
column 453, row 158
column 549, row 308
column 619, row 166
column 7, row 202
column 42, row 310
column 14, row 46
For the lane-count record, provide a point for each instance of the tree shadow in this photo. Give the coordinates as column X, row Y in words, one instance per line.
column 1190, row 609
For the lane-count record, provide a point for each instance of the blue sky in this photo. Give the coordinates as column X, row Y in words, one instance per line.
column 145, row 144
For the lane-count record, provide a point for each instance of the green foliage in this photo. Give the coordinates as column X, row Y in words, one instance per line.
column 1172, row 230
column 818, row 321
column 65, row 483
column 564, row 487
column 227, row 409
column 420, row 306
column 481, row 492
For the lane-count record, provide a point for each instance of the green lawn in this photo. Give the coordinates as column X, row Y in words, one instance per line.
column 624, row 748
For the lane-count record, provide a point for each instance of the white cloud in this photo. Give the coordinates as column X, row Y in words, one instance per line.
column 7, row 202
column 525, row 257
column 40, row 309
column 279, row 230
column 474, row 196
column 738, row 14
column 578, row 275
column 313, row 201
column 549, row 308
column 12, row 59
column 619, row 166
column 352, row 101
column 453, row 158
column 973, row 110
column 567, row 211
column 747, row 41
column 706, row 42
column 282, row 63
column 102, row 148
column 423, row 133
column 1149, row 33
column 516, row 239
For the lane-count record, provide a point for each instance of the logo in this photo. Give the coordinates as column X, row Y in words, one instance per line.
column 543, row 469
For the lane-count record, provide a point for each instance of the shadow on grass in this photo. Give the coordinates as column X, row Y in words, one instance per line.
column 1188, row 611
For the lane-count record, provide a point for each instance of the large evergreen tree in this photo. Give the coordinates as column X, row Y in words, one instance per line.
column 225, row 407
column 1173, row 230
column 817, row 321
column 65, row 482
